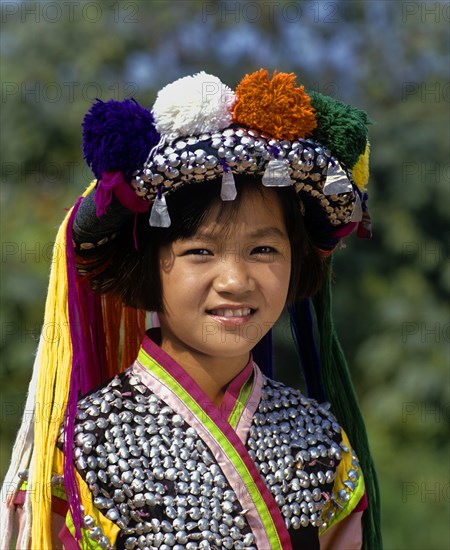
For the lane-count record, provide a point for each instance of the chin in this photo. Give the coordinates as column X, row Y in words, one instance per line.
column 228, row 350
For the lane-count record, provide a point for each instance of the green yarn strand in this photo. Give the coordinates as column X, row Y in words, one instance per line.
column 344, row 402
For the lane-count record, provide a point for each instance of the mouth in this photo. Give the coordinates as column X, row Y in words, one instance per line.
column 228, row 313
column 232, row 318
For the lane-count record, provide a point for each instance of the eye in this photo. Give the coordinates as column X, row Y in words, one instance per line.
column 264, row 251
column 197, row 252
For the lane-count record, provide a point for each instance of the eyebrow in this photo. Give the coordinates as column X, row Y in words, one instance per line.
column 267, row 232
column 261, row 233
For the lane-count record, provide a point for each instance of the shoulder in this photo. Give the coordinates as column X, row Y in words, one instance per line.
column 315, row 430
column 315, row 416
column 298, row 447
column 321, row 454
column 124, row 392
column 98, row 409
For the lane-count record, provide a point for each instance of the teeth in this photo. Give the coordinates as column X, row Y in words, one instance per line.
column 231, row 312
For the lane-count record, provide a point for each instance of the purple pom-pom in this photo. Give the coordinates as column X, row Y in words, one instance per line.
column 117, row 136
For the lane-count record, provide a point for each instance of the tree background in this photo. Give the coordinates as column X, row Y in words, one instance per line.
column 391, row 294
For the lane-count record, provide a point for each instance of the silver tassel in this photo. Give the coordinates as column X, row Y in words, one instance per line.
column 277, row 174
column 337, row 181
column 159, row 216
column 357, row 213
column 228, row 190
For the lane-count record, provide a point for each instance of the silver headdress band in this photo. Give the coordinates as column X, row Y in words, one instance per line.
column 307, row 166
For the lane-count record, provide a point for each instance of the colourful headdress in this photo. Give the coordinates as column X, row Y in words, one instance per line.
column 199, row 130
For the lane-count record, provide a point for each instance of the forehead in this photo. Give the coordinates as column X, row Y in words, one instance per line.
column 257, row 212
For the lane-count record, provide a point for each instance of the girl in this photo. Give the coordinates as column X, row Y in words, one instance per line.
column 213, row 211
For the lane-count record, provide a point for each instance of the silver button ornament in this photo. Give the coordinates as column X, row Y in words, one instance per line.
column 155, row 462
column 249, row 152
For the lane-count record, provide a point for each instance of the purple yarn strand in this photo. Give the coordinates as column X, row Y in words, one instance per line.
column 87, row 337
column 104, row 192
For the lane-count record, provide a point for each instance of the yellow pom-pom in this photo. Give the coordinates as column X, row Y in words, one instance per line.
column 275, row 107
column 360, row 171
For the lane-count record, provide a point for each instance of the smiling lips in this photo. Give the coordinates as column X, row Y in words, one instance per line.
column 232, row 318
column 228, row 313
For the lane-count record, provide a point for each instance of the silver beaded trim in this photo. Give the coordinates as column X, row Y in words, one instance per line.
column 243, row 151
column 95, row 533
column 23, row 475
column 152, row 475
column 339, row 500
column 294, row 442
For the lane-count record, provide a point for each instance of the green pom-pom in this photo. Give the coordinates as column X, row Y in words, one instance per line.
column 340, row 127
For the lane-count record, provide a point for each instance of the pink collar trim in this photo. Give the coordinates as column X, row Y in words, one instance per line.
column 176, row 371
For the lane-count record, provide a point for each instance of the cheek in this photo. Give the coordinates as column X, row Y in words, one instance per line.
column 275, row 282
column 181, row 292
column 284, row 277
column 280, row 271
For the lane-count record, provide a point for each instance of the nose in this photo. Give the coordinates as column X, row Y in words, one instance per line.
column 234, row 276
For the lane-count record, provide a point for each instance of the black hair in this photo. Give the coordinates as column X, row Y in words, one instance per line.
column 131, row 272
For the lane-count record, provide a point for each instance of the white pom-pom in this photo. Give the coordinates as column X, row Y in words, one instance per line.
column 193, row 105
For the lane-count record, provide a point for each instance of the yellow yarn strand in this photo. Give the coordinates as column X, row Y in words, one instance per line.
column 360, row 172
column 52, row 389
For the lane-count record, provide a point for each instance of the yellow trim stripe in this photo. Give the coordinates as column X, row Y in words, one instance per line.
column 241, row 402
column 109, row 528
column 344, row 466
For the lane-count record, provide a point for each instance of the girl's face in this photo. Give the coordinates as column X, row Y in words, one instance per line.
column 224, row 287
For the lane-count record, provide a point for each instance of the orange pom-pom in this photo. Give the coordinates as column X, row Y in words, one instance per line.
column 275, row 107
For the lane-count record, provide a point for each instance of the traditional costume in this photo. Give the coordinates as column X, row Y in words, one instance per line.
column 138, row 456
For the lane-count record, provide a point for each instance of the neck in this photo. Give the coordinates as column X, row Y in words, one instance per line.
column 212, row 374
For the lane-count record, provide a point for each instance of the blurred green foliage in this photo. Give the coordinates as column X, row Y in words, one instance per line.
column 391, row 293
